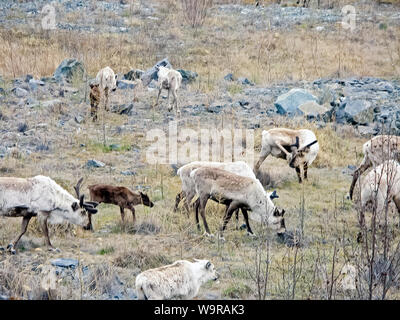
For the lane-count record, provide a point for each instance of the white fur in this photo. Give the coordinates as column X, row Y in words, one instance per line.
column 41, row 195
column 170, row 80
column 180, row 280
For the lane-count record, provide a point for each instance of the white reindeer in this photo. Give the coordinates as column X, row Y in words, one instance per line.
column 298, row 147
column 169, row 79
column 180, row 280
column 42, row 197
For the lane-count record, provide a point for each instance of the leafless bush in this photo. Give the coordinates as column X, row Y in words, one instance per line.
column 195, row 11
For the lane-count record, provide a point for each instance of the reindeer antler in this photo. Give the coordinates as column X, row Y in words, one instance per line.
column 78, row 186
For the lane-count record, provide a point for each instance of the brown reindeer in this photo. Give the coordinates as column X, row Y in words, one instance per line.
column 120, row 196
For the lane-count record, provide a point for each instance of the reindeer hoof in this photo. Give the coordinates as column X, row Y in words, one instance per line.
column 221, row 238
column 55, row 250
column 251, row 235
column 10, row 248
column 208, row 235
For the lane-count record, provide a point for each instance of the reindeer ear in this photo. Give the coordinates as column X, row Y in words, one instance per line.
column 81, row 198
column 75, row 206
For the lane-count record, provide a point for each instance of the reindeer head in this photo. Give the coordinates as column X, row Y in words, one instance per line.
column 297, row 156
column 278, row 221
column 146, row 200
column 86, row 208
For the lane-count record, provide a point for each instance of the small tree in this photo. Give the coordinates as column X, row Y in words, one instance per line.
column 195, row 11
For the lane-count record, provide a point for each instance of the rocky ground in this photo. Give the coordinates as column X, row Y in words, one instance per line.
column 45, row 128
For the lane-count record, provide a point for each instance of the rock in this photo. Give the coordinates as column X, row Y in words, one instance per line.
column 114, row 147
column 151, row 74
column 22, row 127
column 355, row 111
column 2, row 92
column 229, row 77
column 188, row 76
column 128, row 173
column 68, row 70
column 288, row 103
column 123, row 109
column 34, row 84
column 65, row 263
column 312, row 110
column 79, row 119
column 28, row 78
column 215, row 107
column 367, row 131
column 126, row 84
column 133, row 74
column 94, row 164
column 19, row 92
column 245, row 81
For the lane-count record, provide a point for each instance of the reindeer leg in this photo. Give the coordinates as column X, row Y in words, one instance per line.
column 299, row 174
column 106, row 103
column 158, row 97
column 260, row 161
column 121, row 209
column 197, row 205
column 133, row 214
column 45, row 230
column 246, row 218
column 178, row 199
column 25, row 221
column 396, row 201
column 169, row 106
column 305, row 170
column 228, row 214
column 203, row 203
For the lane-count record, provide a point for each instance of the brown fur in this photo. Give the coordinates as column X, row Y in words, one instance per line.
column 94, row 100
column 120, row 196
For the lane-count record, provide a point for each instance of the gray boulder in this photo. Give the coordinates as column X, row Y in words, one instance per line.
column 19, row 92
column 188, row 76
column 355, row 111
column 69, row 69
column 245, row 81
column 151, row 74
column 65, row 263
column 94, row 164
column 312, row 110
column 288, row 103
column 133, row 74
column 125, row 84
column 229, row 77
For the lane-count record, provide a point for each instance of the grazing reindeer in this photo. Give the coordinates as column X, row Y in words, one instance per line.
column 188, row 191
column 120, row 196
column 236, row 192
column 298, row 147
column 169, row 79
column 42, row 197
column 376, row 151
column 381, row 186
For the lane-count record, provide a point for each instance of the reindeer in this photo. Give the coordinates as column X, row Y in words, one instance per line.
column 120, row 196
column 169, row 79
column 376, row 151
column 188, row 191
column 298, row 147
column 42, row 197
column 235, row 192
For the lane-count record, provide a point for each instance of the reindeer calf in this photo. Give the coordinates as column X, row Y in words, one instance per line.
column 120, row 196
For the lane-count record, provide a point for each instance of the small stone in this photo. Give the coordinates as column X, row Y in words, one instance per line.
column 94, row 164
column 65, row 263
